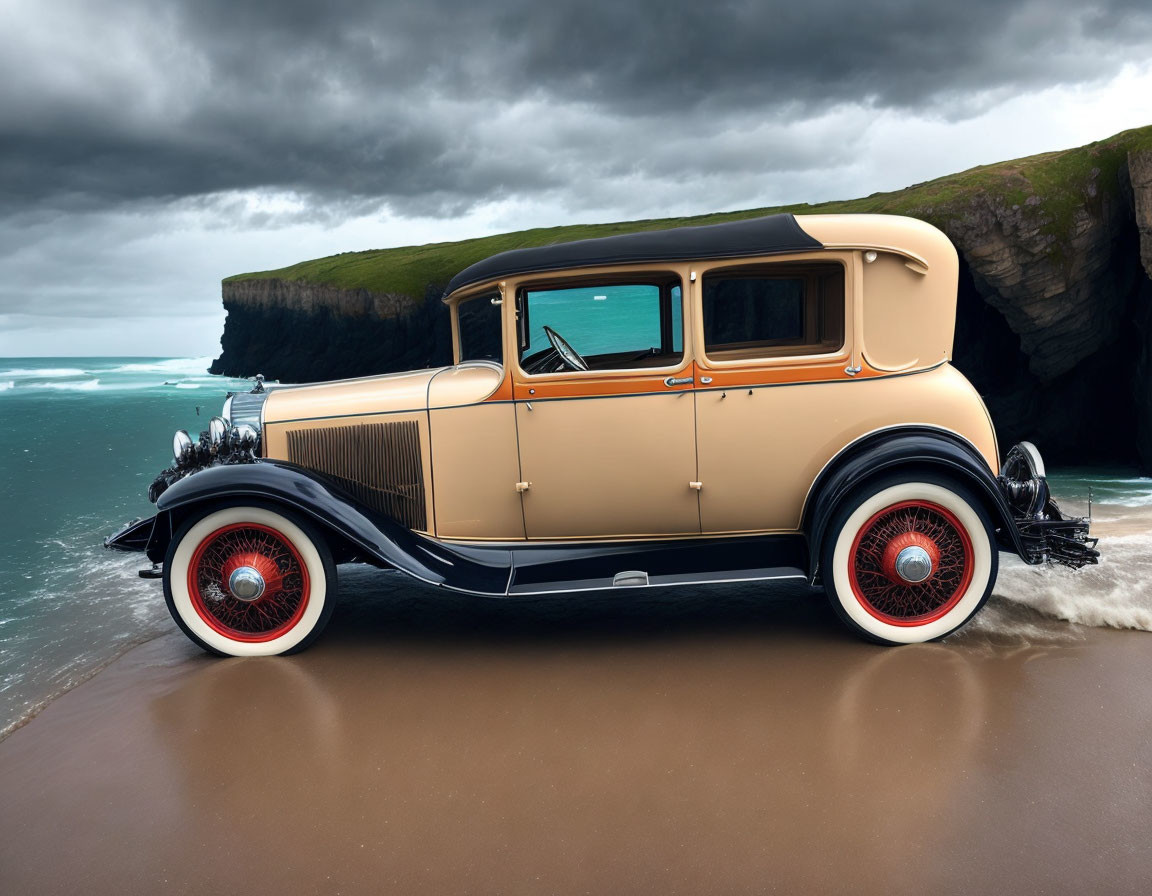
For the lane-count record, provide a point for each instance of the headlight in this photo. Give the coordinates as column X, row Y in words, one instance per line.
column 181, row 447
column 244, row 437
column 217, row 429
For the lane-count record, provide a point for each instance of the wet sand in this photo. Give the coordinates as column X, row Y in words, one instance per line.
column 719, row 741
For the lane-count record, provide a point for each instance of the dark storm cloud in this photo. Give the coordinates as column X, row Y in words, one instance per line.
column 432, row 106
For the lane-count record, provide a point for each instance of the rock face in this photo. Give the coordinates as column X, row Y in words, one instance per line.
column 1140, row 177
column 1065, row 301
column 1140, row 180
column 302, row 333
column 1050, row 319
column 1054, row 322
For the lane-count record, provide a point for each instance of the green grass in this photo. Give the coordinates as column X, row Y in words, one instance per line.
column 1061, row 183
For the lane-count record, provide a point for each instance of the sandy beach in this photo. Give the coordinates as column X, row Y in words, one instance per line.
column 690, row 742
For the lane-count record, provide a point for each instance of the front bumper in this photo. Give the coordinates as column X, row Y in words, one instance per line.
column 1044, row 534
column 132, row 537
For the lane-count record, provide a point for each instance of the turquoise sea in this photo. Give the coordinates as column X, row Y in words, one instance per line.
column 81, row 438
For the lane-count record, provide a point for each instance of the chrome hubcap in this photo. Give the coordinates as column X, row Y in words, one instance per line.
column 246, row 583
column 912, row 564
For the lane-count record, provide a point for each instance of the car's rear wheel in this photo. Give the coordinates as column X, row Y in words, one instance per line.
column 249, row 580
column 909, row 559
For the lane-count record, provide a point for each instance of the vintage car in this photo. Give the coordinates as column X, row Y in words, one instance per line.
column 760, row 399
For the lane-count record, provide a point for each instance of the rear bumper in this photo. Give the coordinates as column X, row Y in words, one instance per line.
column 1045, row 535
column 1058, row 539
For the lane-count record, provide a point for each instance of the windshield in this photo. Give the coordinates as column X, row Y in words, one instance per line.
column 480, row 328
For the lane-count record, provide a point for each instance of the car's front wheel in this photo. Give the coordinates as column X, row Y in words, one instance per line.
column 909, row 559
column 249, row 580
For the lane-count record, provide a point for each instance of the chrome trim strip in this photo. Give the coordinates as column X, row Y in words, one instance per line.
column 683, row 584
column 508, row 593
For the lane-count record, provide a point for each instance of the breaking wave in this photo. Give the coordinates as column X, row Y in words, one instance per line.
column 85, row 386
column 43, row 373
column 6, row 385
column 1115, row 594
column 189, row 366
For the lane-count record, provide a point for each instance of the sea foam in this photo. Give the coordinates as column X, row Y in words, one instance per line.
column 191, row 366
column 86, row 386
column 43, row 373
column 1115, row 594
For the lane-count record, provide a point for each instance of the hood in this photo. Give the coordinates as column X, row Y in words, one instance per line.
column 406, row 391
column 413, row 390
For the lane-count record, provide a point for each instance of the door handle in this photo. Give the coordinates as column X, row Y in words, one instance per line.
column 678, row 381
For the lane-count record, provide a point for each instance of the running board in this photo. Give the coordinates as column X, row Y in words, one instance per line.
column 717, row 578
column 550, row 569
column 522, row 568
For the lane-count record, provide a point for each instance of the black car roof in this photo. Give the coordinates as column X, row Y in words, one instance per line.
column 773, row 234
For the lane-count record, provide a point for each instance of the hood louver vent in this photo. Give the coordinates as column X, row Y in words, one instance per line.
column 379, row 464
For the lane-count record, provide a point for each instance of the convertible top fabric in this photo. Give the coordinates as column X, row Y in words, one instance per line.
column 774, row 234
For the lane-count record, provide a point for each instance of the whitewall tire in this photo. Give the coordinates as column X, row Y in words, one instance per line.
column 910, row 559
column 249, row 580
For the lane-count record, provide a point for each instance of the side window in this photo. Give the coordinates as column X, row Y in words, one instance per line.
column 610, row 326
column 480, row 329
column 773, row 311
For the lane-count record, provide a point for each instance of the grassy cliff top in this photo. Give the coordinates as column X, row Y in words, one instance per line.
column 1049, row 186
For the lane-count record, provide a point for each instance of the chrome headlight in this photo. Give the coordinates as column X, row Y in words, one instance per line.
column 217, row 430
column 244, row 437
column 181, row 447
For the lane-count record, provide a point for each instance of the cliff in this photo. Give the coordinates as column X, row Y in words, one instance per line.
column 1055, row 314
column 303, row 332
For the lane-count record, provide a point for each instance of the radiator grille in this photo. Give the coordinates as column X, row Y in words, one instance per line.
column 378, row 463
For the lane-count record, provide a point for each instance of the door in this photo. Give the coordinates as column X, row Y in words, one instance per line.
column 605, row 416
column 767, row 412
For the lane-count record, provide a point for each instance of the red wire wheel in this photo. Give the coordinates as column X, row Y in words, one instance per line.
column 279, row 607
column 872, row 563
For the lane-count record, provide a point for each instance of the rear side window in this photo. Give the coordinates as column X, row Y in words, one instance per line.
column 773, row 311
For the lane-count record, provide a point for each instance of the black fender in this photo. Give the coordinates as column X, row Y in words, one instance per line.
column 337, row 513
column 913, row 448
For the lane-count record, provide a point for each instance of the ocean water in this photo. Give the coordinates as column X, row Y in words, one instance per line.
column 1118, row 592
column 81, row 438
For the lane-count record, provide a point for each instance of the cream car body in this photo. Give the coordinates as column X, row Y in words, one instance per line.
column 728, row 397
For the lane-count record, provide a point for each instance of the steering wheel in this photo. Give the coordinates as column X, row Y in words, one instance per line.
column 567, row 354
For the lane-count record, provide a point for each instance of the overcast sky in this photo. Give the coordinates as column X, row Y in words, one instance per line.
column 149, row 148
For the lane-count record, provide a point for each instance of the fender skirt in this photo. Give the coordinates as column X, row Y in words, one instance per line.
column 373, row 535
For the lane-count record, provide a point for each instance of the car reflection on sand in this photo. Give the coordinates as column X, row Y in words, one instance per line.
column 704, row 738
